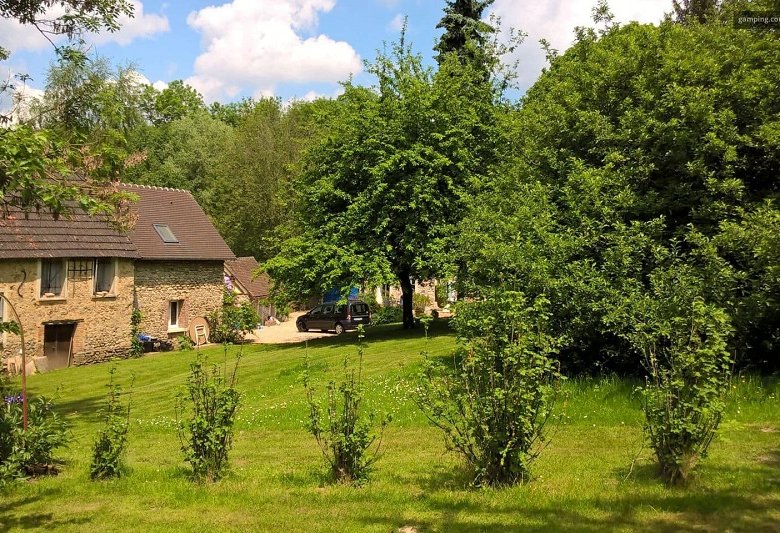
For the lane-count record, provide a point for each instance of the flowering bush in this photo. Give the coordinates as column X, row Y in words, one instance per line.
column 28, row 453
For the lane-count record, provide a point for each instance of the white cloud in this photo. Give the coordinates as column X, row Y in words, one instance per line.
column 397, row 24
column 141, row 25
column 160, row 85
column 257, row 44
column 555, row 21
column 17, row 37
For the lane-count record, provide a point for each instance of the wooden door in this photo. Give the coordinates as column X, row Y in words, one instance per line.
column 57, row 343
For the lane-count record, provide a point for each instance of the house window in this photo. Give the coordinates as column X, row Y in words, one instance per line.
column 174, row 308
column 52, row 277
column 105, row 273
column 165, row 233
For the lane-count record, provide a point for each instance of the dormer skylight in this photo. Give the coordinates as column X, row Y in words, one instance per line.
column 165, row 233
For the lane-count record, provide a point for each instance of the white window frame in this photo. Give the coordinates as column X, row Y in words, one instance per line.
column 64, row 292
column 177, row 327
column 112, row 291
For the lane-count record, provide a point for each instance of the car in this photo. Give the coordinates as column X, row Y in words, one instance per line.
column 335, row 316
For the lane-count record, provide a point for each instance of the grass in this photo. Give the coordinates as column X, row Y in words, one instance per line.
column 595, row 474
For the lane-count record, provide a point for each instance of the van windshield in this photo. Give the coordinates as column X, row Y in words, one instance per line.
column 359, row 309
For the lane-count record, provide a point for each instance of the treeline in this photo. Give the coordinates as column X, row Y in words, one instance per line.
column 641, row 167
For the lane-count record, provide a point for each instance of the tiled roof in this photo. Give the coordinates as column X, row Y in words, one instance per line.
column 242, row 270
column 39, row 235
column 177, row 209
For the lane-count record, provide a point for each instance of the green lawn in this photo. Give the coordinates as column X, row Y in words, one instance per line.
column 584, row 481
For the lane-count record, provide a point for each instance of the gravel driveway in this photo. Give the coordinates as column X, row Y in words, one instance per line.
column 285, row 333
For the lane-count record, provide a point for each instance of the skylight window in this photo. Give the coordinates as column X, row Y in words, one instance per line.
column 165, row 233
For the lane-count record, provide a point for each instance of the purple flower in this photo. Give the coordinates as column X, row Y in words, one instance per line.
column 13, row 399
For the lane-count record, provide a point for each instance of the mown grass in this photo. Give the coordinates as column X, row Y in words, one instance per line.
column 594, row 475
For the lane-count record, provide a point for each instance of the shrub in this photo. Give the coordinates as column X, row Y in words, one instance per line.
column 109, row 447
column 441, row 294
column 344, row 433
column 136, row 346
column 206, row 438
column 29, row 453
column 494, row 402
column 419, row 303
column 185, row 343
column 231, row 322
column 683, row 342
column 387, row 315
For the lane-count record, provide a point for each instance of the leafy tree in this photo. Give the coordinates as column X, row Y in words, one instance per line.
column 174, row 102
column 637, row 143
column 381, row 192
column 464, row 31
column 37, row 164
column 694, row 10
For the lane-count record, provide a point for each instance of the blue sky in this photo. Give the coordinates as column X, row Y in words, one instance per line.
column 295, row 48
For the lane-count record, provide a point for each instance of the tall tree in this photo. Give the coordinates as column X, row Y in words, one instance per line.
column 464, row 31
column 381, row 193
column 686, row 11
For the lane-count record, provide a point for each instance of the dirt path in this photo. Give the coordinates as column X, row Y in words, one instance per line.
column 284, row 333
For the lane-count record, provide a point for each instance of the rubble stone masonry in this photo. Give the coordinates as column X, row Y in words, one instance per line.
column 102, row 322
column 198, row 285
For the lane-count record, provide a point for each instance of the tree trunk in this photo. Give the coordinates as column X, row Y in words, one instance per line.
column 407, row 293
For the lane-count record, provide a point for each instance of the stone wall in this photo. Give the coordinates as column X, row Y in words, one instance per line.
column 198, row 284
column 102, row 323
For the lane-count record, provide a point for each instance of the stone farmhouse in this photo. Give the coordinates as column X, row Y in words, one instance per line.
column 74, row 281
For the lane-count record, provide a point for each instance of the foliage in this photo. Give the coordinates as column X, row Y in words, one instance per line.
column 387, row 314
column 494, row 402
column 344, row 433
column 29, row 453
column 206, row 438
column 38, row 164
column 109, row 447
column 185, row 343
column 136, row 346
column 465, row 33
column 683, row 342
column 637, row 142
column 231, row 322
column 174, row 102
column 381, row 192
column 419, row 303
column 441, row 294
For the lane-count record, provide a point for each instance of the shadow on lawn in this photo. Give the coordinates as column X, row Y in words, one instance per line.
column 642, row 504
column 45, row 521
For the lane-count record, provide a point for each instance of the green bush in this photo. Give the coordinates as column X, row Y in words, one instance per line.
column 344, row 433
column 206, row 438
column 441, row 294
column 683, row 342
column 185, row 343
column 231, row 322
column 29, row 453
column 419, row 303
column 109, row 447
column 387, row 315
column 494, row 403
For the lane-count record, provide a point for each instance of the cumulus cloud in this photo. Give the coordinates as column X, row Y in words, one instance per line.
column 555, row 21
column 141, row 25
column 258, row 44
column 17, row 37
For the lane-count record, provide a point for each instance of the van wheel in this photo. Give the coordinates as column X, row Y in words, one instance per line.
column 339, row 329
column 301, row 327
